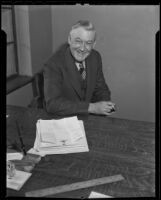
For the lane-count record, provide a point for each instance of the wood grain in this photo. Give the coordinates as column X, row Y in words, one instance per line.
column 74, row 186
column 116, row 146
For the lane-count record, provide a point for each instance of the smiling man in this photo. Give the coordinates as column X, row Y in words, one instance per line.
column 82, row 39
column 73, row 79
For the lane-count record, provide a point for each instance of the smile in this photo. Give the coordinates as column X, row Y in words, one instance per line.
column 82, row 53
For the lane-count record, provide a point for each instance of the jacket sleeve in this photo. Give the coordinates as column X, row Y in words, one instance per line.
column 56, row 102
column 101, row 91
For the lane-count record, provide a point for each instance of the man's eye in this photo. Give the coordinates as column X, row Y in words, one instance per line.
column 78, row 41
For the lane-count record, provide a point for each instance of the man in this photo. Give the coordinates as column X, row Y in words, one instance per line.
column 73, row 79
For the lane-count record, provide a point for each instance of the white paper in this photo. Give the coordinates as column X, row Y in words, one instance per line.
column 34, row 151
column 18, row 180
column 98, row 195
column 58, row 131
column 62, row 136
column 14, row 156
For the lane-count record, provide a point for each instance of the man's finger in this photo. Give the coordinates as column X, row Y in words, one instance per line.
column 110, row 103
column 107, row 113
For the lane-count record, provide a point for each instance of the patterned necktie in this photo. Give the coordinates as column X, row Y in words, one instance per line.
column 82, row 71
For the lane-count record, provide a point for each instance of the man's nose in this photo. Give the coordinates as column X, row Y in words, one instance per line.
column 82, row 46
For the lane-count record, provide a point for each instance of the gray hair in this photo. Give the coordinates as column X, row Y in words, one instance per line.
column 87, row 25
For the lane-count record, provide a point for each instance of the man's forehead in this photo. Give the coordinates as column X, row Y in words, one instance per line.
column 82, row 33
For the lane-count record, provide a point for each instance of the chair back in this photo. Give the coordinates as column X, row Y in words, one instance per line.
column 38, row 90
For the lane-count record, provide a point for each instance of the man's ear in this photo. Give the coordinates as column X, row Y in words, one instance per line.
column 94, row 44
column 69, row 39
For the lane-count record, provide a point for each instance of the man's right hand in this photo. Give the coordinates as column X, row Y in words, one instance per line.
column 102, row 107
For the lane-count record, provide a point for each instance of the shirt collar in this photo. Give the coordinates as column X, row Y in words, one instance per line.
column 77, row 64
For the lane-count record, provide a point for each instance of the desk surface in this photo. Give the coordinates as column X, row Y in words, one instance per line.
column 116, row 146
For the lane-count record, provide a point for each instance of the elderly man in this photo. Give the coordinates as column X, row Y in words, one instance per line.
column 73, row 79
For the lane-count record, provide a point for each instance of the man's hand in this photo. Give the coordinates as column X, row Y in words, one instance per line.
column 102, row 107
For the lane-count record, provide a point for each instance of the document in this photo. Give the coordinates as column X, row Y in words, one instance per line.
column 61, row 136
column 98, row 195
column 14, row 156
column 18, row 180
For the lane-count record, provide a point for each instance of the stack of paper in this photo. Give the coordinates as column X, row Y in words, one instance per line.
column 14, row 156
column 18, row 180
column 61, row 136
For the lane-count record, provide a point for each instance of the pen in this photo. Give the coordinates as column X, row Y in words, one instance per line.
column 20, row 138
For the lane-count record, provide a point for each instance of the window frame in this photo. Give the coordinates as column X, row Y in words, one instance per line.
column 14, row 41
column 14, row 80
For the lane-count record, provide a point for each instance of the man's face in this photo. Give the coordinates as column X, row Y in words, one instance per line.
column 81, row 42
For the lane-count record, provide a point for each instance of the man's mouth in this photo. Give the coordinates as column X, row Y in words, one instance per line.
column 82, row 53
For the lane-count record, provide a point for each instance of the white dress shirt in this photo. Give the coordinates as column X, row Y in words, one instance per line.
column 77, row 64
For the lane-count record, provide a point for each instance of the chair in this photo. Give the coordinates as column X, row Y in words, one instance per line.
column 38, row 91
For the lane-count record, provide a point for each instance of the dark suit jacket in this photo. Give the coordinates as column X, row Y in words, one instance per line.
column 62, row 83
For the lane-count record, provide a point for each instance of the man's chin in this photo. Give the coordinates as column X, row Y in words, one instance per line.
column 81, row 58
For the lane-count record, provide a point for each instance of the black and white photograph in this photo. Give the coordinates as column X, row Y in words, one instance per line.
column 81, row 100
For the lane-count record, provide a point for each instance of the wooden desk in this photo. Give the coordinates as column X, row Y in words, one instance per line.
column 116, row 146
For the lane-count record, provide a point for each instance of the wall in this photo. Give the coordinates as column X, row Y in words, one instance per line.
column 126, row 41
column 23, row 40
column 34, row 46
column 40, row 35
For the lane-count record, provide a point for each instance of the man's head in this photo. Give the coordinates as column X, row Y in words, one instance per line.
column 82, row 39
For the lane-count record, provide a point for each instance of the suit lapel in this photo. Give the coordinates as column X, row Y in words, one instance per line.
column 91, row 76
column 73, row 74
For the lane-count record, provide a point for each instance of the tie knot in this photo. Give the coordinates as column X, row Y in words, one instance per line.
column 81, row 68
column 81, row 65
